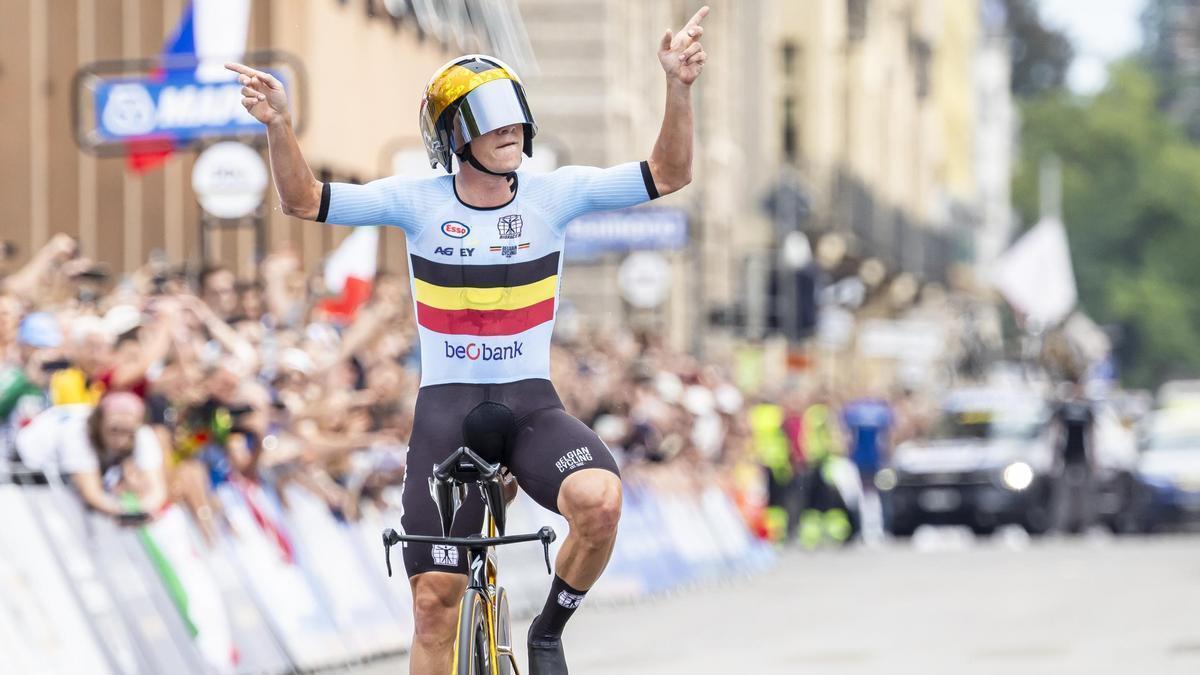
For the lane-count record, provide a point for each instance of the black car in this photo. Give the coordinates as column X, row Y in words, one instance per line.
column 986, row 463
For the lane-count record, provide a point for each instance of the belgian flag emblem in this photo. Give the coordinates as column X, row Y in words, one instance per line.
column 484, row 300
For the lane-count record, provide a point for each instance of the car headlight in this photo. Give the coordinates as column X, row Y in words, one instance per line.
column 885, row 480
column 1017, row 476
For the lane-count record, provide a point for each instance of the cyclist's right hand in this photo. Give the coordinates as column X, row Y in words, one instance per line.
column 263, row 96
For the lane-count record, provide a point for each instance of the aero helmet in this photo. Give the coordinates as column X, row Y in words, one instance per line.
column 467, row 98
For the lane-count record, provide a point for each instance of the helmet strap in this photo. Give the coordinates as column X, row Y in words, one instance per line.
column 511, row 176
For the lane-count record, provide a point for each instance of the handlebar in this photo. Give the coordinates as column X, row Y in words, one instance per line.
column 545, row 535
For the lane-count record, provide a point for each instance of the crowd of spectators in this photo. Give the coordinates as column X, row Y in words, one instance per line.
column 257, row 380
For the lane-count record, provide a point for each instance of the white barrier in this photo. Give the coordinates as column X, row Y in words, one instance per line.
column 291, row 589
column 42, row 628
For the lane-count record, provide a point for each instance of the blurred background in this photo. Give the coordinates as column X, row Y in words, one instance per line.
column 907, row 379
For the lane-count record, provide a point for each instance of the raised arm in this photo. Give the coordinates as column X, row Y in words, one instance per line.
column 29, row 281
column 682, row 58
column 263, row 97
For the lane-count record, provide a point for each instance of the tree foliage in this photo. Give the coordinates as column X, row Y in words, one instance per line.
column 1131, row 203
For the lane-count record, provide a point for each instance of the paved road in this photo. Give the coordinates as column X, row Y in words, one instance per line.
column 942, row 605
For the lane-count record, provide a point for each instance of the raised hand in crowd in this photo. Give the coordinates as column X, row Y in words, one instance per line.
column 30, row 281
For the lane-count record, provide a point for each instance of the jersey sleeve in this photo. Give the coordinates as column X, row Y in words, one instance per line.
column 573, row 191
column 394, row 200
column 75, row 453
column 147, row 451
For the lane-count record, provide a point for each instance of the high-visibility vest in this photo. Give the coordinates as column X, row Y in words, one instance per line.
column 770, row 443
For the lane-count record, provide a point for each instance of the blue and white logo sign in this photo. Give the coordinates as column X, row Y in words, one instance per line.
column 637, row 229
column 129, row 111
column 179, row 107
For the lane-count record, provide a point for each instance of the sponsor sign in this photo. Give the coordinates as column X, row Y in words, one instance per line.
column 453, row 228
column 644, row 279
column 640, row 229
column 173, row 100
column 178, row 107
column 473, row 351
column 229, row 179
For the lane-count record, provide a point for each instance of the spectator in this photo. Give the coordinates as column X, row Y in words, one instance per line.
column 88, row 352
column 29, row 282
column 105, row 450
column 23, row 383
column 10, row 319
column 825, row 515
column 250, row 301
column 246, row 380
column 1076, row 444
column 218, row 290
column 869, row 421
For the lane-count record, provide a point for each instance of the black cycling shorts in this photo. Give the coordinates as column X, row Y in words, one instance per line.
column 547, row 446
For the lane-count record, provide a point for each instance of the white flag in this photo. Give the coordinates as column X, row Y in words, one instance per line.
column 1035, row 275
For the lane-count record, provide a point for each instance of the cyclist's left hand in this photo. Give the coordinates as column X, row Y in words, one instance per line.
column 681, row 54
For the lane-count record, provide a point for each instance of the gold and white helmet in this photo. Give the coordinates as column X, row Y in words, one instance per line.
column 467, row 98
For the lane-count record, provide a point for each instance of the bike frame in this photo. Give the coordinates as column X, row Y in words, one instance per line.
column 483, row 567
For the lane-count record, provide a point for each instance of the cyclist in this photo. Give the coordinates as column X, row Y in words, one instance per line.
column 485, row 247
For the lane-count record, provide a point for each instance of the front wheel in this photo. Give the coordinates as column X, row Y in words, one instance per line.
column 503, row 634
column 472, row 649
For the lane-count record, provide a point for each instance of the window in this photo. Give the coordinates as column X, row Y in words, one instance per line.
column 792, row 66
column 922, row 56
column 791, row 149
column 788, row 53
column 856, row 19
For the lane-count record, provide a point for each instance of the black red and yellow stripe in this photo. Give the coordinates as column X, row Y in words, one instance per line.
column 484, row 300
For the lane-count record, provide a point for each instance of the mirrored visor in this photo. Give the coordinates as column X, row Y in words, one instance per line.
column 488, row 107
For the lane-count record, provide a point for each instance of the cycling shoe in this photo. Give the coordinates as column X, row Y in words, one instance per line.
column 546, row 656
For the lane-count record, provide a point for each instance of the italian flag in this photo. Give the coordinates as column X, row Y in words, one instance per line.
column 180, row 566
column 350, row 273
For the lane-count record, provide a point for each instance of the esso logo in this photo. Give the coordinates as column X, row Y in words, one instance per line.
column 455, row 229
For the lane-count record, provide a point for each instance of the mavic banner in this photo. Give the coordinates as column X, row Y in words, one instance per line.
column 178, row 107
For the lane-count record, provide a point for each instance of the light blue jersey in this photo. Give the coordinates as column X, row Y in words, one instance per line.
column 485, row 281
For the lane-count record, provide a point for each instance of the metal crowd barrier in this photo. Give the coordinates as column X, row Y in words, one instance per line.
column 287, row 589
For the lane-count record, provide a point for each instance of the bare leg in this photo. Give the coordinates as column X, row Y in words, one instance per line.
column 436, row 597
column 590, row 500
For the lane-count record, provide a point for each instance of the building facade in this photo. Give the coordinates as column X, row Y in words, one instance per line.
column 365, row 63
column 886, row 121
column 866, row 111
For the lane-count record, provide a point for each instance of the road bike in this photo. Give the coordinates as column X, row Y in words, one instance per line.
column 483, row 642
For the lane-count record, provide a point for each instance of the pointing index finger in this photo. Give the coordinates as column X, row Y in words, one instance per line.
column 244, row 70
column 696, row 19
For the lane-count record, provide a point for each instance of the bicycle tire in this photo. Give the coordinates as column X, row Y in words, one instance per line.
column 471, row 644
column 503, row 632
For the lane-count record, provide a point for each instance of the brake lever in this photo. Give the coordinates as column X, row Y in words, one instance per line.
column 546, row 535
column 390, row 539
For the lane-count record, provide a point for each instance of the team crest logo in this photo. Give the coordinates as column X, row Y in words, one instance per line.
column 445, row 555
column 569, row 600
column 510, row 226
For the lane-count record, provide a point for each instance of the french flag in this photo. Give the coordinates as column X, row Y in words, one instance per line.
column 209, row 34
column 350, row 272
